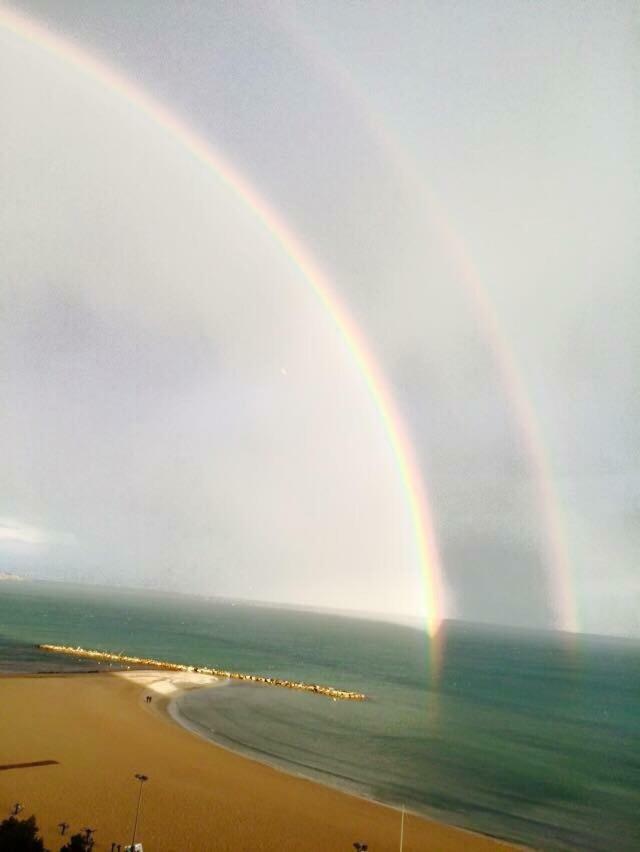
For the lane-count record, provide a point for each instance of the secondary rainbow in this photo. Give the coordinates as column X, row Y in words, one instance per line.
column 408, row 469
column 558, row 564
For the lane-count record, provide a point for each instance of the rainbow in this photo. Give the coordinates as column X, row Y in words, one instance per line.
column 352, row 337
column 556, row 551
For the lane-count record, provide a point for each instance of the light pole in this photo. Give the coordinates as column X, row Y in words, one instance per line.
column 141, row 779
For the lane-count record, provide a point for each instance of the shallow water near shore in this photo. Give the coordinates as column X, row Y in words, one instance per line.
column 523, row 736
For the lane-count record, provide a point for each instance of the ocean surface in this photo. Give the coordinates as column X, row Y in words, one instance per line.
column 523, row 736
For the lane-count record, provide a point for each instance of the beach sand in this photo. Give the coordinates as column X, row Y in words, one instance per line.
column 199, row 797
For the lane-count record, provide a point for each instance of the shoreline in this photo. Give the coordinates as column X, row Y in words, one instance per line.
column 168, row 708
column 100, row 731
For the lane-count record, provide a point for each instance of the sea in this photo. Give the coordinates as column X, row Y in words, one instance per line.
column 523, row 735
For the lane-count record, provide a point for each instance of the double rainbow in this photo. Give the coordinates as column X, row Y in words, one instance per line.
column 560, row 580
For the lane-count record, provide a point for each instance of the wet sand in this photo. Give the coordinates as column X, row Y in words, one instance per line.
column 100, row 731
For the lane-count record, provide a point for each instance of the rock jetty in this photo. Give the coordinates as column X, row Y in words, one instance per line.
column 317, row 689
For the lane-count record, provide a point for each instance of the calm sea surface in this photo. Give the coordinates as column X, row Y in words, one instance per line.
column 522, row 737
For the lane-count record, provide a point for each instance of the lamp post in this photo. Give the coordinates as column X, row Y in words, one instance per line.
column 141, row 779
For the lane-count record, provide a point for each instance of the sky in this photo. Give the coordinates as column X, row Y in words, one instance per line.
column 180, row 410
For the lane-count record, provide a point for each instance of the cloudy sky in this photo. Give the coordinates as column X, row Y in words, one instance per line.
column 178, row 408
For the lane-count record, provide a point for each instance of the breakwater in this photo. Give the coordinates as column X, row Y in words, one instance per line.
column 106, row 656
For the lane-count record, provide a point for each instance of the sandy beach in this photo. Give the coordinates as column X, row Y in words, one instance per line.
column 100, row 731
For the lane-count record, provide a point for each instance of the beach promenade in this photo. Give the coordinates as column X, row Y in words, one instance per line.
column 73, row 744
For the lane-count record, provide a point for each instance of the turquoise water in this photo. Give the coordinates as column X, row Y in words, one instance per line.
column 523, row 737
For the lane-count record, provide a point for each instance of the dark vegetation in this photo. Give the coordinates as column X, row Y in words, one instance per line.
column 78, row 843
column 21, row 835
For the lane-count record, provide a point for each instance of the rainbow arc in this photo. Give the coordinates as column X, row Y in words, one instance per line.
column 397, row 434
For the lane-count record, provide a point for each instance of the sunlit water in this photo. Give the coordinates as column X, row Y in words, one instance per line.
column 523, row 736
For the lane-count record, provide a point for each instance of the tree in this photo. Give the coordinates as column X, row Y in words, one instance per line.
column 78, row 843
column 20, row 835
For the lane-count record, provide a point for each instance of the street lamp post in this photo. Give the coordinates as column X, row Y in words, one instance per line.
column 141, row 779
